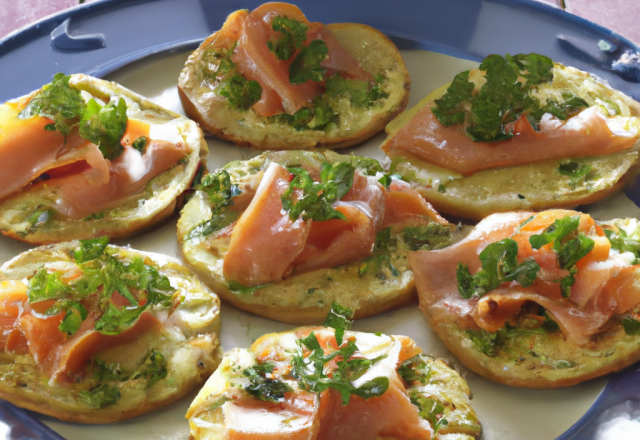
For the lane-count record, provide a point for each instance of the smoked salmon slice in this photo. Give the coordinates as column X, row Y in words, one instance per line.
column 590, row 133
column 603, row 286
column 252, row 31
column 267, row 246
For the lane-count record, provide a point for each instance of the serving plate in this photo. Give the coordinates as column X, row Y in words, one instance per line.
column 143, row 45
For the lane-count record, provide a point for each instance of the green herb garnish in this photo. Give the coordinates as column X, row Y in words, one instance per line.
column 263, row 388
column 429, row 409
column 339, row 318
column 504, row 97
column 306, row 65
column 105, row 126
column 623, row 242
column 292, row 34
column 317, row 197
column 59, row 102
column 499, row 265
column 240, row 92
column 311, row 376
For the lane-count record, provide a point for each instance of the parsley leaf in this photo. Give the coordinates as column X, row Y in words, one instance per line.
column 310, row 371
column 623, row 243
column 317, row 198
column 262, row 387
column 358, row 92
column 105, row 126
column 153, row 368
column 306, row 65
column 140, row 144
column 90, row 249
column 499, row 265
column 292, row 34
column 240, row 92
column 221, row 192
column 447, row 108
column 115, row 320
column 100, row 269
column 484, row 341
column 76, row 314
column 415, row 369
column 429, row 409
column 573, row 169
column 631, row 326
column 431, row 236
column 59, row 102
column 339, row 318
column 560, row 229
column 101, row 396
column 504, row 97
column 570, row 251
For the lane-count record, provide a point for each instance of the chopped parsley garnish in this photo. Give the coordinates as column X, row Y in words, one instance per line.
column 310, row 370
column 140, row 144
column 236, row 287
column 429, row 409
column 431, row 236
column 105, row 126
column 415, row 369
column 102, row 125
column 570, row 250
column 240, row 92
column 306, row 65
column 221, row 192
column 59, row 102
column 76, row 313
column 631, row 326
column 359, row 92
column 292, row 34
column 152, row 369
column 622, row 242
column 314, row 200
column 101, row 269
column 499, row 265
column 262, row 387
column 503, row 98
column 101, row 396
column 339, row 318
column 573, row 169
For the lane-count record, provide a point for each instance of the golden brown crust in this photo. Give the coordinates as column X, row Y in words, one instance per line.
column 213, row 116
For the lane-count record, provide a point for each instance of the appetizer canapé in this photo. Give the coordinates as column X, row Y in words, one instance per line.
column 83, row 157
column 517, row 133
column 92, row 333
column 270, row 79
column 326, row 384
column 537, row 300
column 285, row 234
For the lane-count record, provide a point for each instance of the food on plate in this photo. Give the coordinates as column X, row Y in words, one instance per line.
column 519, row 132
column 270, row 79
column 540, row 300
column 93, row 333
column 83, row 157
column 285, row 234
column 331, row 383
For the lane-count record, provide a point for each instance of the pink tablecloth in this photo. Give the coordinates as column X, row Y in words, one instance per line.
column 621, row 16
